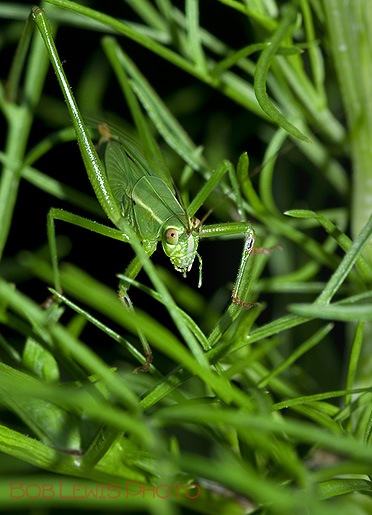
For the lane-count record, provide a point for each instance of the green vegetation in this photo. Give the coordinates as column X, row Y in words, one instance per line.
column 260, row 410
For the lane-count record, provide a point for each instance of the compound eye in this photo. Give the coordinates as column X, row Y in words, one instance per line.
column 171, row 236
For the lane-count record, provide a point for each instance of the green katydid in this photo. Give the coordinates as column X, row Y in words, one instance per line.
column 130, row 190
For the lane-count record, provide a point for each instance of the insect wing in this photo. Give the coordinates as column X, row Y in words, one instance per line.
column 145, row 199
column 154, row 204
column 120, row 172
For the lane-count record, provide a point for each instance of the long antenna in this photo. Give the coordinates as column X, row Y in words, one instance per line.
column 283, row 150
column 180, row 199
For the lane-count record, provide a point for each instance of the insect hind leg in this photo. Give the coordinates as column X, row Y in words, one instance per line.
column 124, row 297
column 131, row 272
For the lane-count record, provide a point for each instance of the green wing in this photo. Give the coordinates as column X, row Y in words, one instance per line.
column 125, row 163
column 145, row 198
column 138, row 155
column 154, row 203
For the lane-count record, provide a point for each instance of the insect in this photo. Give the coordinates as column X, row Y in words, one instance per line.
column 130, row 190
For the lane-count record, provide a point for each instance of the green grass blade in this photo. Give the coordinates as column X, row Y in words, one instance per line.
column 262, row 69
column 194, row 36
column 354, row 358
column 342, row 239
column 362, row 312
column 346, row 264
column 19, row 129
column 302, row 349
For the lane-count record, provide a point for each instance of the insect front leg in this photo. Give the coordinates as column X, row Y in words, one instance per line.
column 242, row 282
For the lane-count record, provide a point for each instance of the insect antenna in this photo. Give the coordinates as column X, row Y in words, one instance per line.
column 316, row 128
column 282, row 151
column 181, row 201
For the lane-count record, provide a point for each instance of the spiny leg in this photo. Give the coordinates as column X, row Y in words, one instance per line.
column 65, row 216
column 234, row 228
column 239, row 283
column 131, row 273
column 238, row 229
column 132, row 270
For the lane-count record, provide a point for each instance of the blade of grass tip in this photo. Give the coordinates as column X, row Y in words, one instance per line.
column 247, row 186
column 357, row 298
column 356, row 309
column 272, row 328
column 331, row 168
column 262, row 69
column 233, row 176
column 294, row 72
column 215, row 179
column 40, row 149
column 194, row 36
column 368, row 428
column 9, row 349
column 62, row 191
column 164, row 123
column 335, row 487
